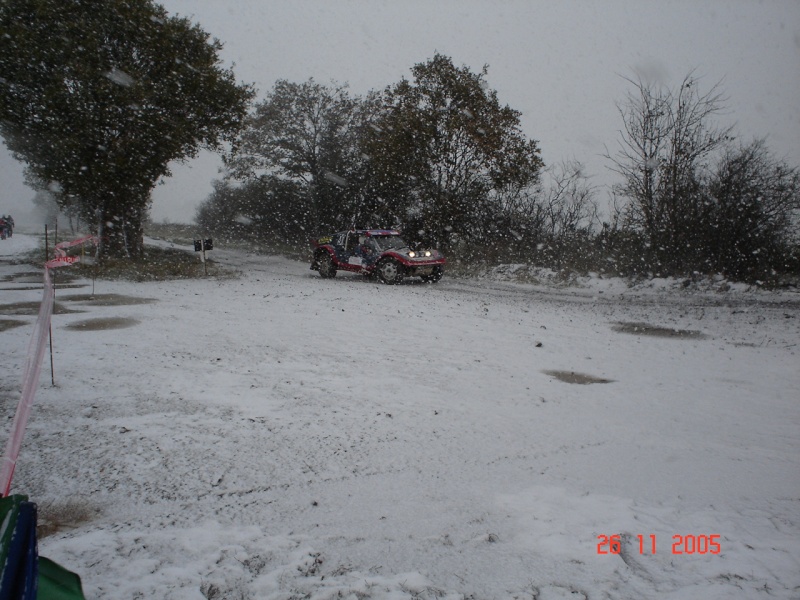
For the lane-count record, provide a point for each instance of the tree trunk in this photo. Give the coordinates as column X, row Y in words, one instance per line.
column 134, row 236
column 121, row 231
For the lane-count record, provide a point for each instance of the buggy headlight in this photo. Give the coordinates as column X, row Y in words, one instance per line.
column 411, row 254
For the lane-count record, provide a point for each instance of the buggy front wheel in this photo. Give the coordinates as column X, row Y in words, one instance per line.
column 435, row 276
column 390, row 271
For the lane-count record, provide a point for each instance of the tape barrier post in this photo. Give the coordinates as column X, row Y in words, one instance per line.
column 61, row 259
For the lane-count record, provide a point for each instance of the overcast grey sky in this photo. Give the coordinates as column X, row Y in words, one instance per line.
column 559, row 63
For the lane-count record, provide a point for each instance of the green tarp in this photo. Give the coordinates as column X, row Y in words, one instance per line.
column 56, row 583
column 24, row 575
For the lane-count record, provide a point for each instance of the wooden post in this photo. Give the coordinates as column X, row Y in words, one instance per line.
column 46, row 258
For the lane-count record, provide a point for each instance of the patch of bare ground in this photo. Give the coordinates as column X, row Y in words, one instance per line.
column 157, row 264
column 107, row 299
column 58, row 516
column 579, row 378
column 6, row 324
column 653, row 330
column 103, row 324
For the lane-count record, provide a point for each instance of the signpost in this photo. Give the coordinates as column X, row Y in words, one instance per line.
column 201, row 246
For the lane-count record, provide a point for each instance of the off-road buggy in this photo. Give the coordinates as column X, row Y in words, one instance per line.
column 380, row 253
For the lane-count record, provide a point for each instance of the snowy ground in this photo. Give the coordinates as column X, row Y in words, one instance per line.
column 283, row 436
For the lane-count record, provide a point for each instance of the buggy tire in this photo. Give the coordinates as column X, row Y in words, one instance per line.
column 433, row 277
column 325, row 266
column 390, row 271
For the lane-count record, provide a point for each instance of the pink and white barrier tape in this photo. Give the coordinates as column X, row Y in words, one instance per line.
column 33, row 367
column 61, row 259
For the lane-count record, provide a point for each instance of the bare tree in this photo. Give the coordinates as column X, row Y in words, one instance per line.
column 665, row 147
column 568, row 202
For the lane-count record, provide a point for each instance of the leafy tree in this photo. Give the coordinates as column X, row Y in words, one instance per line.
column 444, row 153
column 224, row 212
column 268, row 211
column 666, row 144
column 302, row 143
column 97, row 97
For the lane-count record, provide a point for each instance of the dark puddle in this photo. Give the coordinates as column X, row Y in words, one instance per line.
column 6, row 324
column 60, row 277
column 102, row 324
column 32, row 308
column 28, row 288
column 652, row 330
column 25, row 277
column 579, row 378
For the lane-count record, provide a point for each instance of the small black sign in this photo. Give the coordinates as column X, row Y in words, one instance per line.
column 203, row 245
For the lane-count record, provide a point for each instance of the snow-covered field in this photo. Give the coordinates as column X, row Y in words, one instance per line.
column 282, row 436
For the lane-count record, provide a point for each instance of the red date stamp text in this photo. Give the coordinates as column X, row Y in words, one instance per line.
column 647, row 544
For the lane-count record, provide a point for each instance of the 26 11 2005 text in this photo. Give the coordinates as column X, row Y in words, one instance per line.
column 647, row 544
